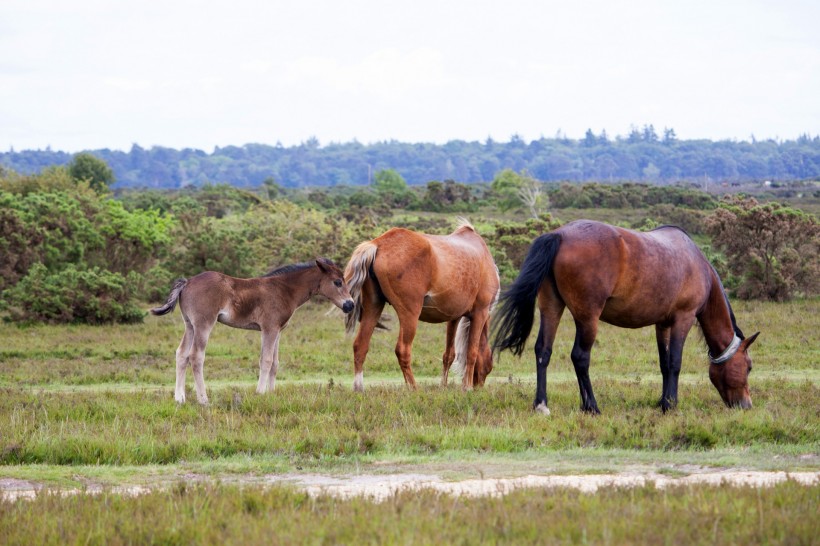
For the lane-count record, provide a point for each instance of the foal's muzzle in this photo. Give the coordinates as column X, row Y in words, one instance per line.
column 347, row 306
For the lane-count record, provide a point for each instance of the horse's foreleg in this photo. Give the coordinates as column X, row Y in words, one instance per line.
column 275, row 366
column 371, row 313
column 449, row 351
column 270, row 338
column 679, row 331
column 201, row 334
column 183, row 354
column 585, row 333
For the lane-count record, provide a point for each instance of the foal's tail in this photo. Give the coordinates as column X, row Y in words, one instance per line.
column 515, row 318
column 356, row 272
column 173, row 296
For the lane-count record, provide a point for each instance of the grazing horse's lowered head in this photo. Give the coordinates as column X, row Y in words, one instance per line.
column 729, row 372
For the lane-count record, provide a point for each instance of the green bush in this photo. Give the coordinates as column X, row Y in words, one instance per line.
column 93, row 296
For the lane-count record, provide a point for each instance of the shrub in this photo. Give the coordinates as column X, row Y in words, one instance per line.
column 74, row 294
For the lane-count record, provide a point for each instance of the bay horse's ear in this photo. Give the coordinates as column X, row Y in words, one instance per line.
column 751, row 339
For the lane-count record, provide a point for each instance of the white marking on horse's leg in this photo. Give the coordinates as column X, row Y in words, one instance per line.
column 358, row 382
column 182, row 366
column 542, row 409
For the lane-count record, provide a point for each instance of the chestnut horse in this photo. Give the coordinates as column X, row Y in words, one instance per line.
column 431, row 278
column 628, row 279
column 262, row 303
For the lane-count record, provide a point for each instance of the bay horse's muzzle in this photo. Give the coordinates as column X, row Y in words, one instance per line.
column 347, row 306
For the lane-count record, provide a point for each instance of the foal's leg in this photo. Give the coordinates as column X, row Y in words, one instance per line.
column 551, row 308
column 202, row 331
column 449, row 350
column 182, row 356
column 275, row 367
column 585, row 332
column 372, row 309
column 270, row 338
column 679, row 331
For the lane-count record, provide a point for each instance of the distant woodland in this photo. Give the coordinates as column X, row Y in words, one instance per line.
column 643, row 155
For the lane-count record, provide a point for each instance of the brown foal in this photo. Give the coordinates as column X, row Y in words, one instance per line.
column 262, row 303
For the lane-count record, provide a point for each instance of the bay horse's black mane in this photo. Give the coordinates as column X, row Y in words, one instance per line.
column 292, row 268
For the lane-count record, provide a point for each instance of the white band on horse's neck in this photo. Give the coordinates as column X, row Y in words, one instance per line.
column 728, row 353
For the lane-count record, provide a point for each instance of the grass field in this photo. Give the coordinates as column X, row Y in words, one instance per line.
column 82, row 405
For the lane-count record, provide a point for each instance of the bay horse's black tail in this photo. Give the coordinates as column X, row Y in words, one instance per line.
column 171, row 302
column 516, row 314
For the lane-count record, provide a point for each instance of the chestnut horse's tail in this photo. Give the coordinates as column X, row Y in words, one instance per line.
column 515, row 318
column 356, row 272
column 173, row 296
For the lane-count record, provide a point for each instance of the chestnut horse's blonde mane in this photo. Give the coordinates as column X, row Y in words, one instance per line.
column 464, row 223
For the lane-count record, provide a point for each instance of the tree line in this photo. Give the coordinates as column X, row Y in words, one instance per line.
column 642, row 155
column 73, row 251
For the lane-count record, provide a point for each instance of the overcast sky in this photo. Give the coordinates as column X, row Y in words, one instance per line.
column 88, row 74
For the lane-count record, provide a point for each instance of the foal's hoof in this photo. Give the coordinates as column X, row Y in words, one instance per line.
column 542, row 409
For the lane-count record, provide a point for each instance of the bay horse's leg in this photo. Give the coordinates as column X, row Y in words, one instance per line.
column 449, row 350
column 202, row 331
column 477, row 323
column 183, row 354
column 679, row 331
column 551, row 308
column 372, row 308
column 270, row 337
column 585, row 332
column 408, row 323
column 663, row 333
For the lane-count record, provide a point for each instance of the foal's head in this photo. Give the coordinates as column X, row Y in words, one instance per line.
column 731, row 378
column 332, row 285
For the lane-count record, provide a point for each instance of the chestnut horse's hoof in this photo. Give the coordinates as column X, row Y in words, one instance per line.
column 542, row 409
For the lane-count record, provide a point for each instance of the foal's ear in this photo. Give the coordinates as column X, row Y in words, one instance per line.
column 749, row 340
column 322, row 266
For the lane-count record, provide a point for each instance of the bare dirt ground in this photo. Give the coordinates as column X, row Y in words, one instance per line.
column 379, row 487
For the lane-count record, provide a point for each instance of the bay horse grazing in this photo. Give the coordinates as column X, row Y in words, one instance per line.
column 628, row 279
column 263, row 303
column 432, row 278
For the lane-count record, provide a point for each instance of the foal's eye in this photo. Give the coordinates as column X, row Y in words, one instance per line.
column 338, row 283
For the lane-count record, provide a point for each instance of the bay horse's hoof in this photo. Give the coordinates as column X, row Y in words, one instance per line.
column 542, row 409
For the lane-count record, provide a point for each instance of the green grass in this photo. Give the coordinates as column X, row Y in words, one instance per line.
column 215, row 514
column 93, row 405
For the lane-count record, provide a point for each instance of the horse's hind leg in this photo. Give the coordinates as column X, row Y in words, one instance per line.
column 408, row 323
column 585, row 332
column 449, row 350
column 372, row 308
column 551, row 310
column 663, row 334
column 477, row 323
column 182, row 356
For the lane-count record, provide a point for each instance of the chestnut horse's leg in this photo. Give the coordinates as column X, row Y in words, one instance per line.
column 202, row 331
column 183, row 354
column 270, row 337
column 408, row 323
column 449, row 350
column 585, row 332
column 372, row 307
column 679, row 330
column 477, row 323
column 551, row 308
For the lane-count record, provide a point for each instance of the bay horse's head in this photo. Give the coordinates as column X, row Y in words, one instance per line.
column 730, row 371
column 332, row 285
